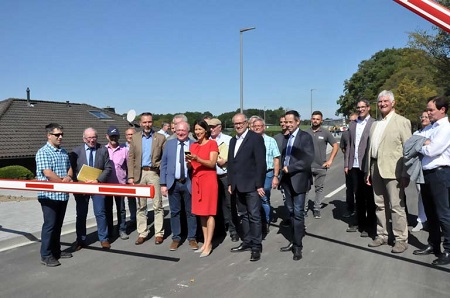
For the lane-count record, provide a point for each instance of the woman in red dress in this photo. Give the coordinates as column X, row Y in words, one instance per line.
column 203, row 160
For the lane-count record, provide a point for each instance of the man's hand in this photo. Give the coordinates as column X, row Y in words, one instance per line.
column 285, row 169
column 261, row 192
column 164, row 191
column 130, row 181
column 91, row 181
column 327, row 164
column 220, row 161
column 67, row 179
column 346, row 171
column 229, row 189
column 275, row 182
column 368, row 180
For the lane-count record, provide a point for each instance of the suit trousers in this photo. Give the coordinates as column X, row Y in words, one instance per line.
column 390, row 204
column 295, row 202
column 249, row 211
column 53, row 212
column 436, row 200
column 150, row 177
column 365, row 202
column 100, row 216
column 179, row 193
column 227, row 205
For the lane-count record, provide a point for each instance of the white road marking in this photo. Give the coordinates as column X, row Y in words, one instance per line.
column 335, row 191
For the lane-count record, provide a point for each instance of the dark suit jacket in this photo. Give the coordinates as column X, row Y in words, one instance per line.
column 247, row 171
column 299, row 168
column 168, row 164
column 363, row 146
column 102, row 162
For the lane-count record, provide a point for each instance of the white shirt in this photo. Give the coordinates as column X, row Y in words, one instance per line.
column 239, row 140
column 380, row 126
column 437, row 153
column 360, row 126
column 222, row 139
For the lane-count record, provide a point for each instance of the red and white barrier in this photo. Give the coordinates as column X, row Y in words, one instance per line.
column 430, row 10
column 145, row 191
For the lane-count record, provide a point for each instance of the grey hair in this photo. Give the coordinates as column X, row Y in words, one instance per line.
column 89, row 128
column 180, row 116
column 387, row 93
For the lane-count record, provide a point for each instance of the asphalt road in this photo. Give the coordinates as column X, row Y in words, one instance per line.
column 334, row 264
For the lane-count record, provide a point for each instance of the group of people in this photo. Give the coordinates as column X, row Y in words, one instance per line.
column 208, row 172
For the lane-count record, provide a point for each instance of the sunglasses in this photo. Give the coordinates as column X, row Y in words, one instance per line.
column 57, row 134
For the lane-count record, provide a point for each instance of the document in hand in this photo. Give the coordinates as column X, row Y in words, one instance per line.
column 88, row 173
column 223, row 151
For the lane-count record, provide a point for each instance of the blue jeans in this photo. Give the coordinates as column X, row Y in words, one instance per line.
column 53, row 212
column 132, row 208
column 249, row 211
column 296, row 204
column 266, row 199
column 178, row 192
column 99, row 212
column 121, row 213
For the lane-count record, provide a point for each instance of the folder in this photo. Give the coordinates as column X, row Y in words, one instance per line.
column 88, row 173
column 223, row 151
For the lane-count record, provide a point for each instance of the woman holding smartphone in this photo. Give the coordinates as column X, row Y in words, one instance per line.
column 203, row 160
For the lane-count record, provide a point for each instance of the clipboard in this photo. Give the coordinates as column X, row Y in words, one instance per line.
column 223, row 151
column 88, row 173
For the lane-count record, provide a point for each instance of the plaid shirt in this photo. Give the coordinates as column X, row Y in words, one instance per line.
column 272, row 151
column 57, row 160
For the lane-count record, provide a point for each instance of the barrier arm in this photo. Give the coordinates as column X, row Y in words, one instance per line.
column 430, row 10
column 109, row 189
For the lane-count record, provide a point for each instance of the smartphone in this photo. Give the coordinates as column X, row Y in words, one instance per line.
column 187, row 152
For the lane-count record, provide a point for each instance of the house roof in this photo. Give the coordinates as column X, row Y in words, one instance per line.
column 23, row 124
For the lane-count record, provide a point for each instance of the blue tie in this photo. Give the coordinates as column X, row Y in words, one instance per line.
column 182, row 175
column 289, row 150
column 91, row 157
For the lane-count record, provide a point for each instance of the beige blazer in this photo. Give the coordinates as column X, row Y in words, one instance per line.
column 135, row 154
column 390, row 152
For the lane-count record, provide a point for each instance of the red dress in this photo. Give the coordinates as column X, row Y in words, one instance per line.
column 204, row 181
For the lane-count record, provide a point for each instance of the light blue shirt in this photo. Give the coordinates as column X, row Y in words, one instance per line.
column 178, row 162
column 272, row 151
column 147, row 149
column 88, row 153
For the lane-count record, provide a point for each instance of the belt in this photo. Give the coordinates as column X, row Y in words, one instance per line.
column 182, row 181
column 270, row 170
column 222, row 175
column 435, row 169
column 153, row 169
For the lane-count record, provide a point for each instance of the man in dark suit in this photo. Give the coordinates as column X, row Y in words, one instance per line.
column 246, row 175
column 296, row 180
column 176, row 184
column 95, row 155
column 354, row 166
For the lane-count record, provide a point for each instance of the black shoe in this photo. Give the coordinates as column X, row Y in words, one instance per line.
column 234, row 238
column 242, row 247
column 64, row 255
column 256, row 256
column 425, row 251
column 286, row 223
column 50, row 261
column 297, row 253
column 364, row 234
column 287, row 248
column 444, row 259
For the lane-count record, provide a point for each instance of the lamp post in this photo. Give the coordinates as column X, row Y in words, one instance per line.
column 311, row 102
column 242, row 67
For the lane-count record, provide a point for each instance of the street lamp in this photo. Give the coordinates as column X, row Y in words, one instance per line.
column 311, row 102
column 242, row 67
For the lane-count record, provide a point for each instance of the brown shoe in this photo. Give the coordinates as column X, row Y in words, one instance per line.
column 139, row 241
column 399, row 247
column 159, row 240
column 105, row 244
column 193, row 244
column 174, row 245
column 377, row 242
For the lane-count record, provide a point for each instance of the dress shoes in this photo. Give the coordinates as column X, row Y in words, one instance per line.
column 139, row 241
column 297, row 253
column 352, row 229
column 64, row 255
column 425, row 251
column 378, row 241
column 234, row 238
column 105, row 244
column 364, row 234
column 78, row 245
column 444, row 259
column 287, row 248
column 255, row 256
column 159, row 240
column 242, row 247
column 286, row 223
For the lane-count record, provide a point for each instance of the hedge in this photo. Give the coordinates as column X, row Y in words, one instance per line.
column 16, row 172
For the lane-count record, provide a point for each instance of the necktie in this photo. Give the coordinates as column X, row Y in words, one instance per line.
column 182, row 175
column 289, row 150
column 91, row 157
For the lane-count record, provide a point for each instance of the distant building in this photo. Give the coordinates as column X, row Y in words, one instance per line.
column 23, row 121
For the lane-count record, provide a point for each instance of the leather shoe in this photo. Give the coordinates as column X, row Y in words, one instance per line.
column 287, row 248
column 297, row 253
column 234, row 238
column 240, row 248
column 139, row 241
column 256, row 256
column 159, row 240
column 444, row 259
column 78, row 246
column 425, row 251
column 105, row 244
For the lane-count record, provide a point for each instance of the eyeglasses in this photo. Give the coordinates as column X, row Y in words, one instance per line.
column 57, row 134
column 130, row 134
column 239, row 123
column 361, row 107
column 254, row 125
column 212, row 126
column 91, row 138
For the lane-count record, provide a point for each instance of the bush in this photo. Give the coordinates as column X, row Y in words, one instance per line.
column 16, row 172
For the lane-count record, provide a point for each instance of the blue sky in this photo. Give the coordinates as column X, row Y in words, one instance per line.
column 172, row 56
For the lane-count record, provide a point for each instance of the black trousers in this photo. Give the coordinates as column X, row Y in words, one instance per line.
column 249, row 211
column 365, row 203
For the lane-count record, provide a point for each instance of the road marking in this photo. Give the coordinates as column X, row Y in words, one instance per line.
column 335, row 191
